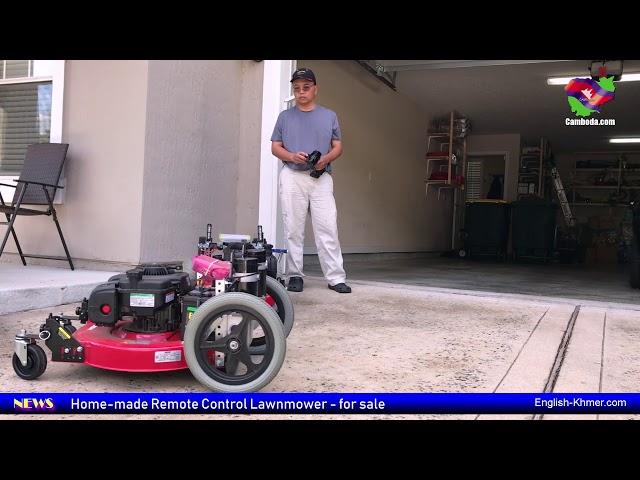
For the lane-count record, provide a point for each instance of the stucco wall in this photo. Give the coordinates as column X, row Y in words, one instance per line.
column 202, row 154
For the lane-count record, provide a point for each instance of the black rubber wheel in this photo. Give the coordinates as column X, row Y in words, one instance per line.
column 634, row 265
column 283, row 307
column 217, row 343
column 36, row 363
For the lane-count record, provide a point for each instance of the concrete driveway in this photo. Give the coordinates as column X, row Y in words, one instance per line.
column 399, row 338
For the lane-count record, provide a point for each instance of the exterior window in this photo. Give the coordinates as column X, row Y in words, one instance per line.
column 26, row 104
column 25, row 118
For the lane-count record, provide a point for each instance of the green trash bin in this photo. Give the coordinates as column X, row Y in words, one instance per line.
column 533, row 227
column 486, row 228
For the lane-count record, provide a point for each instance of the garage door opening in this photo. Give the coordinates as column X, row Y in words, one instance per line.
column 391, row 230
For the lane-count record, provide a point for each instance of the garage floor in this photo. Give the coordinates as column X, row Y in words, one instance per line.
column 603, row 283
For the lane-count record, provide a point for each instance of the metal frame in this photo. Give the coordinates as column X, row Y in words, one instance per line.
column 11, row 218
column 379, row 71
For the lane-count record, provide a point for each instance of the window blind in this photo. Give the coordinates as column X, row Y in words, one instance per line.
column 474, row 180
column 25, row 118
column 15, row 68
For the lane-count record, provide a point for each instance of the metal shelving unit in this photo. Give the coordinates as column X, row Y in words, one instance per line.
column 602, row 186
column 446, row 164
column 532, row 171
column 450, row 158
column 601, row 172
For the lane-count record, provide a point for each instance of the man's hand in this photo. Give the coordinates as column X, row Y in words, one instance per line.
column 299, row 158
column 322, row 163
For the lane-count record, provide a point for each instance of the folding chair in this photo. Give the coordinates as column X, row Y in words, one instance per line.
column 37, row 185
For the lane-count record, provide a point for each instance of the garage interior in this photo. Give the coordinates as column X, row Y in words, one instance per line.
column 410, row 213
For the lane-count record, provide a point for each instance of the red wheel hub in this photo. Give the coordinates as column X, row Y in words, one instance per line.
column 269, row 299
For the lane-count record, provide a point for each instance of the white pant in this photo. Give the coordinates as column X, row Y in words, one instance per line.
column 299, row 193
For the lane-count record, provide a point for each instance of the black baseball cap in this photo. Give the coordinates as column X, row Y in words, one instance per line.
column 303, row 74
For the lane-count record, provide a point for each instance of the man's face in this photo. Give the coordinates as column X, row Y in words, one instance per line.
column 305, row 91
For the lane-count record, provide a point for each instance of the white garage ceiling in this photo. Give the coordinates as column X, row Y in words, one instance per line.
column 515, row 98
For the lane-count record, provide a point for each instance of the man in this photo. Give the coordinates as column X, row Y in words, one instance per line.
column 299, row 131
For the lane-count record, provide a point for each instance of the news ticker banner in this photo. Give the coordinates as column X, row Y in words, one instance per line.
column 318, row 403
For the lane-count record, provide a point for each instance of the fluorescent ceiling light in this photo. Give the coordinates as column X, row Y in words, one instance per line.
column 625, row 140
column 559, row 80
column 630, row 77
column 626, row 77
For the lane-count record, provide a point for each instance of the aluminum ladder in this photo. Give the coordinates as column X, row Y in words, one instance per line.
column 562, row 197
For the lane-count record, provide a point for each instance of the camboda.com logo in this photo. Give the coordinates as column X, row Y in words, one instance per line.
column 586, row 95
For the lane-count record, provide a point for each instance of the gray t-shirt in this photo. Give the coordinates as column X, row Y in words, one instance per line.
column 306, row 131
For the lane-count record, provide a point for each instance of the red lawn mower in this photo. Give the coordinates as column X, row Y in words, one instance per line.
column 229, row 332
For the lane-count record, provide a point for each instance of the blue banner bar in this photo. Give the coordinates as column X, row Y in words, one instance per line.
column 309, row 403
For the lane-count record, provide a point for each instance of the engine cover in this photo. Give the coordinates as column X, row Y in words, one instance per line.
column 144, row 291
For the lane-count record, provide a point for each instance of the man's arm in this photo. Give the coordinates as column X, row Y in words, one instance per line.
column 278, row 150
column 335, row 152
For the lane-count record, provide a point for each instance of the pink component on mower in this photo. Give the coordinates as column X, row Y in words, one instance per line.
column 211, row 268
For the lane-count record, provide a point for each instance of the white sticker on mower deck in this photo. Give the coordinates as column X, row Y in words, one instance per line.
column 169, row 356
column 169, row 297
column 141, row 300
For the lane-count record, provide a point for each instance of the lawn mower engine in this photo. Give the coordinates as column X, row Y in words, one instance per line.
column 147, row 297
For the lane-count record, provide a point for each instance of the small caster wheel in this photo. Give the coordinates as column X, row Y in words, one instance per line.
column 36, row 363
column 462, row 253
